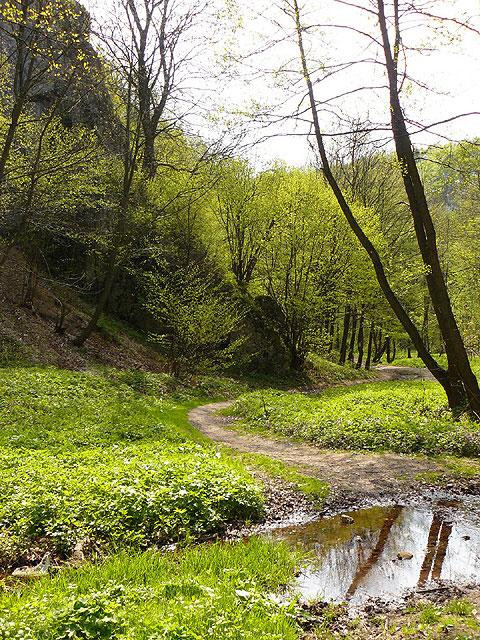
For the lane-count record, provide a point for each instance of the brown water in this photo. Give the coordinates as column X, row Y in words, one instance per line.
column 359, row 561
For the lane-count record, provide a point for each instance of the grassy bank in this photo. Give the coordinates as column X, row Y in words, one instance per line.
column 405, row 417
column 215, row 591
column 107, row 458
column 457, row 619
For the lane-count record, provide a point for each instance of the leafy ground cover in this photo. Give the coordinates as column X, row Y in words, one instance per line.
column 86, row 456
column 220, row 591
column 405, row 417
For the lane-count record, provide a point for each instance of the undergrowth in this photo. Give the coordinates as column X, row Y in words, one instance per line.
column 214, row 591
column 406, row 417
column 86, row 456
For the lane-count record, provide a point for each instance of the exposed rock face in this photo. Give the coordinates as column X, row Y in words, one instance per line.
column 75, row 79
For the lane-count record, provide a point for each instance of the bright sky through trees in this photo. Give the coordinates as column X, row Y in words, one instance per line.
column 448, row 65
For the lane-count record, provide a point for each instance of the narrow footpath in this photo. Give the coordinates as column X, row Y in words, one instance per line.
column 362, row 474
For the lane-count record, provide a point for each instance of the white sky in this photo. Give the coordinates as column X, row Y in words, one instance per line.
column 451, row 68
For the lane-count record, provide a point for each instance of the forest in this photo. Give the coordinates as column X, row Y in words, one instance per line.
column 240, row 320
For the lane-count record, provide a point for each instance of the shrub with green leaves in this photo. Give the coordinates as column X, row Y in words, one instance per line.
column 407, row 417
column 132, row 496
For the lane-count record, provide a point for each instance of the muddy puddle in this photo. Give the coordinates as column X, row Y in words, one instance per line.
column 386, row 552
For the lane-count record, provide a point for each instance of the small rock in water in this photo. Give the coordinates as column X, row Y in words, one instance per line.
column 404, row 555
column 465, row 537
column 39, row 570
column 346, row 519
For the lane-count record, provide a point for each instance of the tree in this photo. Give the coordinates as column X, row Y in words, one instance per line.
column 243, row 210
column 300, row 262
column 200, row 321
column 127, row 162
column 45, row 47
column 155, row 32
column 458, row 381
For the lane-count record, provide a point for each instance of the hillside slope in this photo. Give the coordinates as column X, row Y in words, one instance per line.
column 28, row 335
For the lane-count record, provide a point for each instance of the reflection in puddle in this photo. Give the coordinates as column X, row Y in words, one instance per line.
column 439, row 542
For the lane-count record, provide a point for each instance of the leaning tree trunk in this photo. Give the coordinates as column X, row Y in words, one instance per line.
column 458, row 381
column 426, row 323
column 379, row 352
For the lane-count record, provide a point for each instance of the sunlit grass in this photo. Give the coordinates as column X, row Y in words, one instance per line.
column 406, row 417
column 214, row 591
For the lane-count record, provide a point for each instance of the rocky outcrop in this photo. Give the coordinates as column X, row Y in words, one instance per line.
column 76, row 79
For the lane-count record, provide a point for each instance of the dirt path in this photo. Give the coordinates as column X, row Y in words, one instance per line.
column 358, row 474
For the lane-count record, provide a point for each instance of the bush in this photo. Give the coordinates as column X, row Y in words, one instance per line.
column 132, row 496
column 201, row 322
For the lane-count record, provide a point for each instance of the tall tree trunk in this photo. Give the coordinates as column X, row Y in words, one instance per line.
column 351, row 349
column 379, row 344
column 346, row 326
column 425, row 322
column 30, row 282
column 391, row 350
column 149, row 163
column 459, row 381
column 360, row 340
column 331, row 332
column 369, row 347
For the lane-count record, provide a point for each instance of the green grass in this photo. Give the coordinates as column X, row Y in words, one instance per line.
column 416, row 362
column 214, row 591
column 13, row 352
column 85, row 456
column 109, row 458
column 312, row 487
column 328, row 373
column 406, row 417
